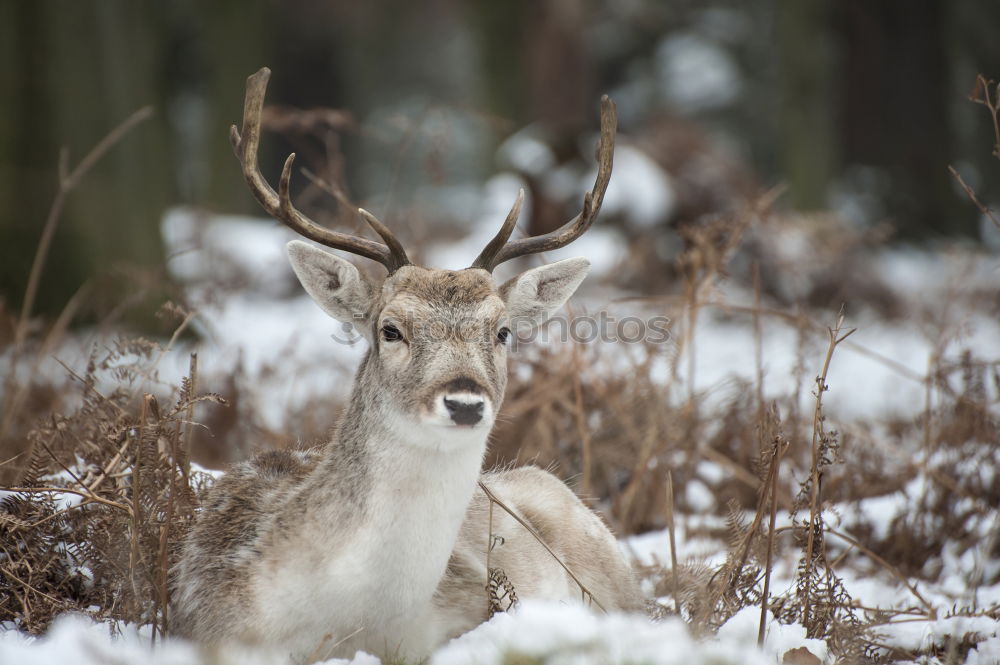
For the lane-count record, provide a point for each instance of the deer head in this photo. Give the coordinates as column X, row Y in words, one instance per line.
column 438, row 338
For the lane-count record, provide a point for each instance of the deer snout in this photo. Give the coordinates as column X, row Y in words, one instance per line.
column 465, row 410
column 465, row 402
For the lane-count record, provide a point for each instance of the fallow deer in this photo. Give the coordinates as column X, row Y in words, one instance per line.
column 380, row 539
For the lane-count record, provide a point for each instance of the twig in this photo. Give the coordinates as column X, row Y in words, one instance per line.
column 189, row 433
column 755, row 525
column 796, row 319
column 821, row 387
column 330, row 188
column 67, row 181
column 875, row 557
column 776, row 455
column 52, row 516
column 741, row 474
column 7, row 572
column 972, row 196
column 162, row 598
column 489, row 549
column 586, row 592
column 315, row 655
column 581, row 426
column 58, row 461
column 673, row 543
column 105, row 399
column 147, row 372
column 892, row 569
column 136, row 515
column 758, row 340
column 66, row 490
column 109, row 467
column 992, row 103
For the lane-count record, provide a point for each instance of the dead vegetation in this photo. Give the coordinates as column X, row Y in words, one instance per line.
column 93, row 522
column 101, row 489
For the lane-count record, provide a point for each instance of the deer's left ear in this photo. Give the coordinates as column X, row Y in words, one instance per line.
column 536, row 294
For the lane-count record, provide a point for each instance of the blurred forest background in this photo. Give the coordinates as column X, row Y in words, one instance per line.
column 858, row 106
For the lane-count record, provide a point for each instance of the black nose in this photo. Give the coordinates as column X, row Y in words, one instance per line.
column 464, row 413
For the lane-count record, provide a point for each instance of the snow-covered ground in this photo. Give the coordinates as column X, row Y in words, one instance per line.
column 561, row 634
column 290, row 349
column 534, row 633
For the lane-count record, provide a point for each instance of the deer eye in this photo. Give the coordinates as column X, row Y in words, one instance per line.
column 390, row 333
column 503, row 335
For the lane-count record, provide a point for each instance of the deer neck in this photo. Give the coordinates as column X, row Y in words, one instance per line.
column 394, row 493
column 368, row 536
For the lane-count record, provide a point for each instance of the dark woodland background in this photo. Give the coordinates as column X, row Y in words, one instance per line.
column 858, row 106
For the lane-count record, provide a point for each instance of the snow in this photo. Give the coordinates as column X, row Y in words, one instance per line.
column 916, row 635
column 526, row 151
column 219, row 248
column 75, row 639
column 641, row 191
column 698, row 496
column 81, row 641
column 743, row 627
column 653, row 548
column 562, row 634
column 696, row 74
column 551, row 633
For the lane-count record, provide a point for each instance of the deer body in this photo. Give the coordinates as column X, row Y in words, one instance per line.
column 350, row 557
column 577, row 536
column 378, row 540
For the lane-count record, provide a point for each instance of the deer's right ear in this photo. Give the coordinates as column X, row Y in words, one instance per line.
column 334, row 283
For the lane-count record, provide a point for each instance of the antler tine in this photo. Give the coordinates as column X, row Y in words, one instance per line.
column 279, row 204
column 578, row 225
column 500, row 239
column 397, row 254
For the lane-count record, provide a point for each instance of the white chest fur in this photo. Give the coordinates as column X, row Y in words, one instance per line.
column 331, row 597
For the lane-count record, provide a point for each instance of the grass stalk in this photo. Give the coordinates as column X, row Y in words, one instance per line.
column 675, row 580
column 777, row 453
column 815, row 478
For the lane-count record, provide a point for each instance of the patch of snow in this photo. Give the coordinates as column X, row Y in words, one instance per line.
column 526, row 151
column 711, row 472
column 224, row 248
column 78, row 640
column 696, row 74
column 552, row 633
column 986, row 652
column 215, row 474
column 919, row 635
column 653, row 548
column 561, row 634
column 779, row 638
column 605, row 248
column 698, row 496
column 640, row 190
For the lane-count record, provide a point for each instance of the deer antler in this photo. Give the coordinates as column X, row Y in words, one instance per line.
column 500, row 250
column 279, row 205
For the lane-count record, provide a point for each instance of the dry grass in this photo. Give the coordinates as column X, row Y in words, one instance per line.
column 122, row 458
column 101, row 488
column 93, row 522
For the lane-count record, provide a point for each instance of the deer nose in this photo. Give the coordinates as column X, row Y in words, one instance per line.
column 465, row 410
